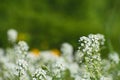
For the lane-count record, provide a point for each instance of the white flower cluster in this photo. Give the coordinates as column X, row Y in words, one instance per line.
column 114, row 57
column 39, row 74
column 67, row 51
column 106, row 78
column 58, row 68
column 12, row 35
column 21, row 48
column 21, row 67
column 87, row 63
column 89, row 50
column 91, row 43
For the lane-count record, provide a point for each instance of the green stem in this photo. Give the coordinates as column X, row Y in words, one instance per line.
column 19, row 76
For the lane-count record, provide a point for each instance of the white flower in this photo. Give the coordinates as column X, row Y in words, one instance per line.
column 47, row 57
column 91, row 43
column 74, row 68
column 49, row 77
column 22, row 47
column 1, row 52
column 21, row 67
column 39, row 74
column 67, row 51
column 77, row 77
column 58, row 68
column 12, row 35
column 106, row 78
column 89, row 53
column 106, row 65
column 114, row 57
column 79, row 56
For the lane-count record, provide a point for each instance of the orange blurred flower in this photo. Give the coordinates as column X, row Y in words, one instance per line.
column 55, row 52
column 35, row 52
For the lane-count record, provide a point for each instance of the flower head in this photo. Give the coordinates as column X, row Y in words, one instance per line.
column 89, row 51
column 39, row 74
column 12, row 35
column 22, row 47
column 67, row 51
column 91, row 43
column 114, row 57
column 58, row 68
column 21, row 67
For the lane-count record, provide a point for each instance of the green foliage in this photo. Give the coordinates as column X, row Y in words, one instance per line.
column 51, row 22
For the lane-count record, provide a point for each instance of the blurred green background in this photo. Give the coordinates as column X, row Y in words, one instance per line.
column 46, row 24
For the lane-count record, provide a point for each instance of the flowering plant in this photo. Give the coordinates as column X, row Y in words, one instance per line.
column 18, row 63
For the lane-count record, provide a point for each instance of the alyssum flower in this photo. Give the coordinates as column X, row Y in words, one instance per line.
column 90, row 48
